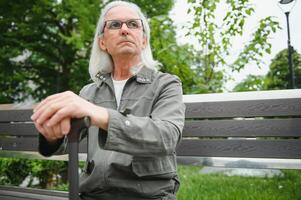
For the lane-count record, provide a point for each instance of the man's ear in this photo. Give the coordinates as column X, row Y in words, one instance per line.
column 102, row 44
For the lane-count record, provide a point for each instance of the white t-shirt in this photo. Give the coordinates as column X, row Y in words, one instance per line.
column 118, row 87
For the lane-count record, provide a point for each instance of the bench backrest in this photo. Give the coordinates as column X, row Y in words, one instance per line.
column 263, row 124
column 246, row 124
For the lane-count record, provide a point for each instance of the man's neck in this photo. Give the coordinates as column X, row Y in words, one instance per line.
column 122, row 68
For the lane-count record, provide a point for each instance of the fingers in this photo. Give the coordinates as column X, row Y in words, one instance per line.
column 60, row 115
column 57, row 131
column 48, row 109
column 45, row 101
column 46, row 132
column 52, row 98
column 51, row 105
column 53, row 132
column 65, row 125
column 40, row 128
column 59, row 109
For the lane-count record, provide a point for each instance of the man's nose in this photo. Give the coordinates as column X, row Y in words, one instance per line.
column 124, row 29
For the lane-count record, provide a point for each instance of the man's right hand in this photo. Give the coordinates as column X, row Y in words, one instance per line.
column 52, row 116
column 55, row 132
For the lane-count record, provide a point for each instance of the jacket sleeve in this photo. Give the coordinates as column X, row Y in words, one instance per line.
column 158, row 133
column 48, row 149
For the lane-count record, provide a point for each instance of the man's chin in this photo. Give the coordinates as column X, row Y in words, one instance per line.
column 126, row 50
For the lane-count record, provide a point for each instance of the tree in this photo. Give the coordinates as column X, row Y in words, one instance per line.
column 251, row 83
column 183, row 61
column 278, row 75
column 45, row 46
column 216, row 31
column 56, row 36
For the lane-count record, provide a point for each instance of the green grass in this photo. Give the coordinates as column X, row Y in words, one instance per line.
column 196, row 186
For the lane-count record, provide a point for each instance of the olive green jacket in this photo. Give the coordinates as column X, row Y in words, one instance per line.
column 135, row 157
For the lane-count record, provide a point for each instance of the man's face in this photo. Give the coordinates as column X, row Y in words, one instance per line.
column 123, row 41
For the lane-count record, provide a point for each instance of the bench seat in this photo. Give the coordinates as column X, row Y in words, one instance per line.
column 17, row 193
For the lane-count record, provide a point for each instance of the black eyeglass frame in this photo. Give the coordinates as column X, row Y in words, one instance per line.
column 122, row 22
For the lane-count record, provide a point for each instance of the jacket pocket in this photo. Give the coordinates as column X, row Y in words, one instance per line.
column 163, row 166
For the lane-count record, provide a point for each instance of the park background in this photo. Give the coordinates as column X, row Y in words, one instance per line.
column 211, row 45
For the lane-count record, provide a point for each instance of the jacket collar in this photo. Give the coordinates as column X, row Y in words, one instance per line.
column 141, row 73
column 144, row 75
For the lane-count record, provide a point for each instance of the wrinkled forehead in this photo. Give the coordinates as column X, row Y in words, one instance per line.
column 121, row 13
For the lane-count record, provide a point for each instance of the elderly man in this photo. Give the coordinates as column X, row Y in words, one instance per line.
column 137, row 111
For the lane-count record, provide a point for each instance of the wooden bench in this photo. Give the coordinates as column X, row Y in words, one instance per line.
column 247, row 129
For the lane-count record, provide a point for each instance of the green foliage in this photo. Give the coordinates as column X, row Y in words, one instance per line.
column 215, row 38
column 184, row 61
column 155, row 8
column 210, row 78
column 220, row 187
column 174, row 59
column 56, row 37
column 251, row 83
column 258, row 46
column 13, row 171
column 48, row 173
column 278, row 76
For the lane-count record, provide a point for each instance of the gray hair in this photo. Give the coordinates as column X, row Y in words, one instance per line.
column 101, row 61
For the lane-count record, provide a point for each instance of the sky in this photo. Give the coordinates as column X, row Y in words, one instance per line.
column 263, row 8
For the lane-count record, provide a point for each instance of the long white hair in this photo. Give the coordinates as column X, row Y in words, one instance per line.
column 101, row 61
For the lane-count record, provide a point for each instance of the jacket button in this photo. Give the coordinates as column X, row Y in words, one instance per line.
column 127, row 123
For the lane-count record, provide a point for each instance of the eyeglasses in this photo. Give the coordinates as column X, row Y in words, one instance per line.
column 117, row 24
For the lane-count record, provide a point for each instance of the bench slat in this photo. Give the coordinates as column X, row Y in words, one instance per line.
column 15, row 115
column 30, row 144
column 16, row 193
column 18, row 129
column 19, row 144
column 202, row 128
column 253, row 108
column 240, row 148
column 243, row 128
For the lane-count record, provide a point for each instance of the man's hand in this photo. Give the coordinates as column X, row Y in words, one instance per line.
column 52, row 116
column 53, row 133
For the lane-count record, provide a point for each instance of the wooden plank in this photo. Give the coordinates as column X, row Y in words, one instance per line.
column 19, row 144
column 16, row 193
column 15, row 115
column 243, row 128
column 30, row 144
column 243, row 96
column 253, row 108
column 18, row 106
column 202, row 128
column 240, row 148
column 18, row 129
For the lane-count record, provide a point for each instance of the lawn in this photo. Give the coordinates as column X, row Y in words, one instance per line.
column 196, row 186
